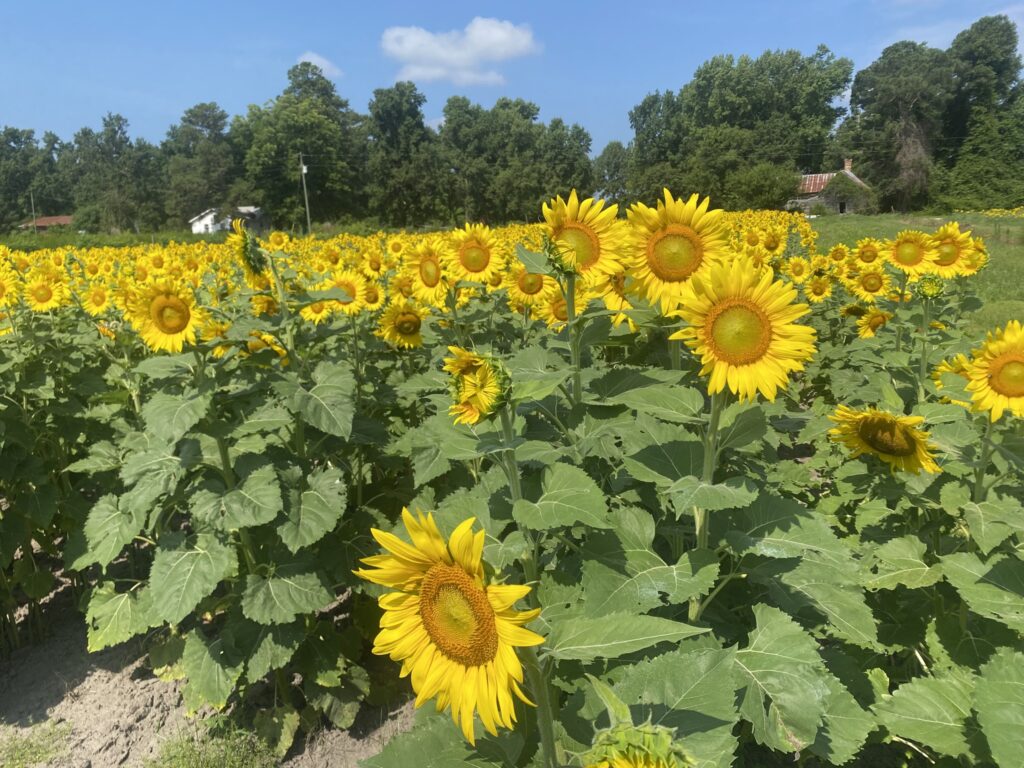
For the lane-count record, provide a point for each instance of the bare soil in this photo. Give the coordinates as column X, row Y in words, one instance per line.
column 119, row 713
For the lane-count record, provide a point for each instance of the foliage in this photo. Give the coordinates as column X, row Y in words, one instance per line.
column 35, row 746
column 233, row 749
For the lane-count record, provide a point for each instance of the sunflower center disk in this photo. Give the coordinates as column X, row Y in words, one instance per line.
column 560, row 309
column 458, row 616
column 948, row 254
column 42, row 293
column 740, row 334
column 1008, row 379
column 871, row 283
column 908, row 254
column 474, row 258
column 430, row 273
column 868, row 255
column 530, row 283
column 170, row 314
column 675, row 253
column 886, row 437
column 583, row 242
column 408, row 324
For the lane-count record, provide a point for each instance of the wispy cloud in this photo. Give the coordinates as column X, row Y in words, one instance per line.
column 327, row 66
column 465, row 57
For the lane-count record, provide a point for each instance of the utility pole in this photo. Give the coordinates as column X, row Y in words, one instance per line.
column 32, row 200
column 305, row 194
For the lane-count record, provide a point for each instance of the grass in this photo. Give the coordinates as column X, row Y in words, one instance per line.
column 234, row 749
column 1001, row 285
column 35, row 747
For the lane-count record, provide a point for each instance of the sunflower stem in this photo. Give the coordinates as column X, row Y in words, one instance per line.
column 675, row 357
column 453, row 305
column 541, row 690
column 922, row 372
column 574, row 337
column 902, row 293
column 979, row 493
column 509, row 454
column 700, row 517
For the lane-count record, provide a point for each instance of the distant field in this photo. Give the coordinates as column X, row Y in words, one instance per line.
column 1001, row 284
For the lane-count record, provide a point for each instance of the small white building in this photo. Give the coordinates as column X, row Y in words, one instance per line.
column 211, row 220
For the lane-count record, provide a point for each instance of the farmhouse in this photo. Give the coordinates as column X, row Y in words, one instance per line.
column 836, row 192
column 212, row 220
column 43, row 223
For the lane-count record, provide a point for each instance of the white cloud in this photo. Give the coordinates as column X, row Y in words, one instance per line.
column 328, row 67
column 462, row 56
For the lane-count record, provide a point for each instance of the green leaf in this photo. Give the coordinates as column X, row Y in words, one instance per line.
column 170, row 417
column 992, row 522
column 108, row 529
column 607, row 590
column 113, row 617
column 255, row 502
column 999, row 701
column 668, row 402
column 742, row 424
column 277, row 727
column 535, row 263
column 328, row 405
column 318, row 511
column 692, row 690
column 166, row 366
column 901, row 562
column 213, row 666
column 150, row 474
column 570, row 497
column 846, row 726
column 785, row 681
column 536, row 385
column 586, row 638
column 665, row 463
column 777, row 527
column 930, row 710
column 103, row 457
column 183, row 576
column 689, row 492
column 994, row 589
column 280, row 598
column 274, row 648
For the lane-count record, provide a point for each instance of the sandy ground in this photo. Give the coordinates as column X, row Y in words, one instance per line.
column 119, row 713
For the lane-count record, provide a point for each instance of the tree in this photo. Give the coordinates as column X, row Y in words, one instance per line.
column 200, row 162
column 611, row 172
column 989, row 172
column 761, row 186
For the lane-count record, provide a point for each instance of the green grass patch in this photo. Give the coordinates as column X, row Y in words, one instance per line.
column 235, row 749
column 33, row 747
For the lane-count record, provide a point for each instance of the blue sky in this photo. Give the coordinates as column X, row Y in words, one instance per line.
column 65, row 63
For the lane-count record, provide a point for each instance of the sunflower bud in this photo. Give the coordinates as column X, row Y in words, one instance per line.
column 930, row 286
column 480, row 385
column 637, row 746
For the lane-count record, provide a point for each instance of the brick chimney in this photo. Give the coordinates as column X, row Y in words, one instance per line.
column 848, row 165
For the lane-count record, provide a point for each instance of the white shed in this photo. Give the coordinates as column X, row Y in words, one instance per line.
column 209, row 220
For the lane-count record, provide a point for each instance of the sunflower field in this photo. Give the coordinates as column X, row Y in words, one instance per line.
column 672, row 489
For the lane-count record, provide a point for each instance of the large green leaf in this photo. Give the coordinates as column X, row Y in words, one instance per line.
column 733, row 493
column 901, row 562
column 170, row 417
column 274, row 648
column 665, row 463
column 586, row 638
column 930, row 710
column 608, row 590
column 318, row 510
column 570, row 497
column 328, row 404
column 786, row 690
column 113, row 617
column 992, row 522
column 289, row 591
column 183, row 576
column 999, row 701
column 994, row 589
column 213, row 666
column 668, row 402
column 846, row 726
column 108, row 529
column 255, row 502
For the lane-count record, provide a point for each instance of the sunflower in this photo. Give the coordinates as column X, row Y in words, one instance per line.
column 278, row 241
column 868, row 251
column 426, row 268
column 671, row 243
column 44, row 291
column 216, row 331
column 957, row 365
column 554, row 310
column 454, row 633
column 996, row 372
column 839, row 253
column 319, row 311
column 615, row 292
column 8, row 287
column 96, row 299
column 742, row 325
column 352, row 283
column 853, row 310
column 798, row 268
column 818, row 288
column 373, row 297
column 373, row 264
column 896, row 440
column 474, row 254
column 478, row 385
column 870, row 283
column 588, row 238
column 528, row 288
column 912, row 252
column 952, row 250
column 872, row 321
column 401, row 324
column 975, row 259
column 248, row 252
column 635, row 759
column 260, row 340
column 164, row 313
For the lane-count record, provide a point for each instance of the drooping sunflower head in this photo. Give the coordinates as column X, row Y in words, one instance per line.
column 253, row 259
column 401, row 324
column 912, row 252
column 952, row 250
column 586, row 236
column 853, row 310
column 165, row 314
column 637, row 746
column 996, row 372
column 454, row 633
column 742, row 325
column 474, row 254
column 894, row 439
column 671, row 243
column 871, row 322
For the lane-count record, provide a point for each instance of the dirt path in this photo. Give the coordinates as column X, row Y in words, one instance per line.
column 118, row 713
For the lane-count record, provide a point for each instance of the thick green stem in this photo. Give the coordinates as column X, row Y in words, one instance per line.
column 979, row 493
column 922, row 372
column 574, row 337
column 902, row 296
column 675, row 357
column 229, row 481
column 509, row 454
column 453, row 306
column 541, row 690
column 700, row 516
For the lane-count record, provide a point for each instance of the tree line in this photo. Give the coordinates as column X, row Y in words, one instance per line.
column 925, row 127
